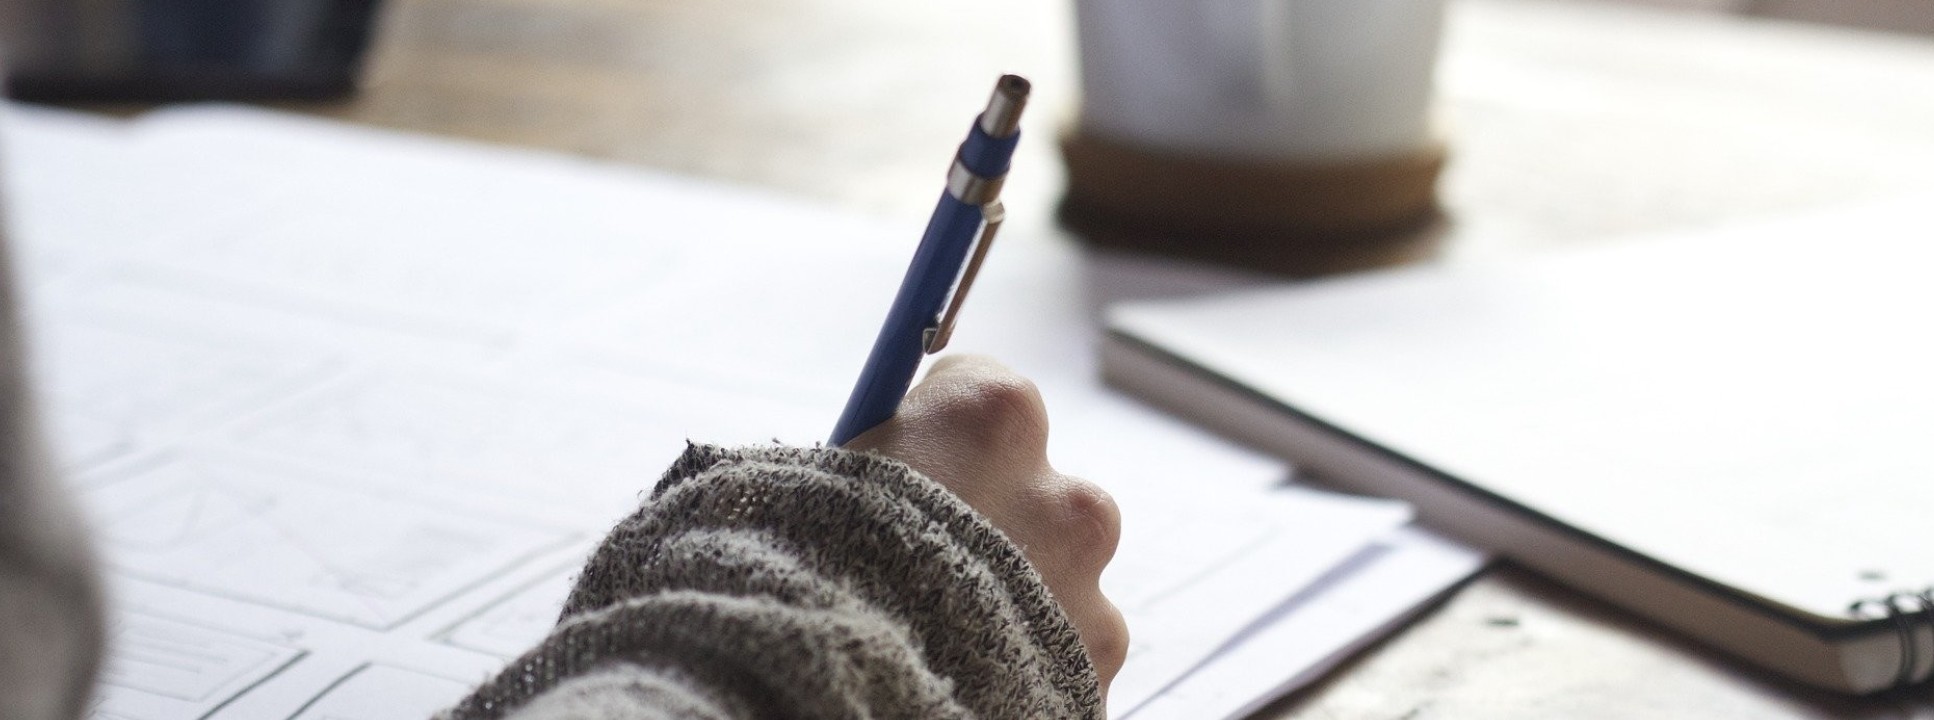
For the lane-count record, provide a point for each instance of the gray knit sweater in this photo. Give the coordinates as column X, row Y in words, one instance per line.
column 801, row 583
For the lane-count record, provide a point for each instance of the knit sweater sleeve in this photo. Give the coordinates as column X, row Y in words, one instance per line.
column 807, row 583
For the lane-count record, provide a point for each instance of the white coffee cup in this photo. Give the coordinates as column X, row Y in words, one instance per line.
column 1268, row 80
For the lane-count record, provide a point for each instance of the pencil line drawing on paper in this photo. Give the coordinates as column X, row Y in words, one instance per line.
column 105, row 380
column 267, row 537
column 516, row 622
column 383, row 692
column 474, row 437
column 163, row 668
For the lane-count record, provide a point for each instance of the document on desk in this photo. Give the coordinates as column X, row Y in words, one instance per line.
column 347, row 409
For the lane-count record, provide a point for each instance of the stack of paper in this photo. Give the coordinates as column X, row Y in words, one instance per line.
column 347, row 408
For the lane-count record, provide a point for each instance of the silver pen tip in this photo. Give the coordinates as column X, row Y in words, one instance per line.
column 1002, row 118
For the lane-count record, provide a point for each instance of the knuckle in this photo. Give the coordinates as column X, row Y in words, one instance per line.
column 1092, row 520
column 1108, row 641
column 1002, row 411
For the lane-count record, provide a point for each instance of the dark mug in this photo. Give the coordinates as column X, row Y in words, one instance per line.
column 158, row 50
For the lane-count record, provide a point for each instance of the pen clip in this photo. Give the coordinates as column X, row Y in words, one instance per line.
column 935, row 338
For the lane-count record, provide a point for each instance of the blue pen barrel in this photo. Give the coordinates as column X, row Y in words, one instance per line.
column 973, row 181
column 896, row 352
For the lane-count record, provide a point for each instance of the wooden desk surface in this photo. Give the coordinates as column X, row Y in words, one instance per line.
column 1570, row 123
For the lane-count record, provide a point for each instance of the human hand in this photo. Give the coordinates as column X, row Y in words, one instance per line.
column 982, row 431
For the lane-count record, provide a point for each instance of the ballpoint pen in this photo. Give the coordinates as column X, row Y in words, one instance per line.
column 969, row 208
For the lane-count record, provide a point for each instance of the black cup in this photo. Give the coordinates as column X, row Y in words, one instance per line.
column 160, row 50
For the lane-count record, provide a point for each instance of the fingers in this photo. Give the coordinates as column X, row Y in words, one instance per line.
column 1104, row 633
column 982, row 430
column 1082, row 528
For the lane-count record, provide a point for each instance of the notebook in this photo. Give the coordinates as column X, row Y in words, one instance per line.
column 1726, row 431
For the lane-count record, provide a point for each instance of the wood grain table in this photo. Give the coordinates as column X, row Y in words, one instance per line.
column 1570, row 123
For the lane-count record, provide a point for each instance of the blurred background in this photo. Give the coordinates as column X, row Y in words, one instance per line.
column 1566, row 120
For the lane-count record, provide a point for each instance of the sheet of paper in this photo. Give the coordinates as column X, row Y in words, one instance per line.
column 1308, row 634
column 348, row 408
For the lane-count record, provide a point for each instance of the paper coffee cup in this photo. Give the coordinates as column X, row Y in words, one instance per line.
column 1266, row 127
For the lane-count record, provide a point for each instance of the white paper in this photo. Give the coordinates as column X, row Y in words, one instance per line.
column 1310, row 633
column 349, row 408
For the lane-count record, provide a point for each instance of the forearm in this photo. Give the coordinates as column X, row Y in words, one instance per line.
column 803, row 582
